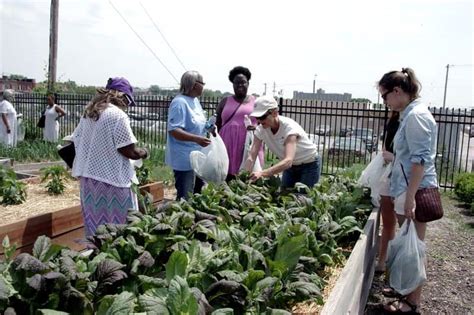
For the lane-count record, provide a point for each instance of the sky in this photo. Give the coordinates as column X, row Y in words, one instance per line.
column 344, row 45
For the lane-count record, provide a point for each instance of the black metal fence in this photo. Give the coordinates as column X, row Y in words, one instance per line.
column 345, row 132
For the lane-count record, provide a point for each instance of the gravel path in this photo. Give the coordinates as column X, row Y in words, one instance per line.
column 450, row 271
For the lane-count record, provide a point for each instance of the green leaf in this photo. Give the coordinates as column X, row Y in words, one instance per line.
column 176, row 265
column 253, row 277
column 122, row 304
column 290, row 250
column 276, row 311
column 304, row 290
column 180, row 299
column 6, row 289
column 326, row 259
column 41, row 247
column 153, row 305
column 198, row 256
column 51, row 312
column 223, row 311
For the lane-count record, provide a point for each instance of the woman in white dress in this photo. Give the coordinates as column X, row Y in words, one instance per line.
column 8, row 121
column 51, row 125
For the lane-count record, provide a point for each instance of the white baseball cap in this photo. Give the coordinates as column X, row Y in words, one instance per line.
column 262, row 105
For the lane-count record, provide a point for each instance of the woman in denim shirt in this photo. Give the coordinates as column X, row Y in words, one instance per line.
column 415, row 150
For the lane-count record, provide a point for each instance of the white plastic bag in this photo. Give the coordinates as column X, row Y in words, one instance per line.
column 406, row 259
column 211, row 164
column 372, row 176
column 248, row 144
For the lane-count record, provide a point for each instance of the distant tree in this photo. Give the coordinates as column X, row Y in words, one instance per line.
column 361, row 100
column 69, row 86
column 16, row 77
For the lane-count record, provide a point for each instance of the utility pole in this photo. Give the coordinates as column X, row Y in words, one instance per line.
column 445, row 85
column 53, row 44
column 314, row 83
column 274, row 88
column 265, row 89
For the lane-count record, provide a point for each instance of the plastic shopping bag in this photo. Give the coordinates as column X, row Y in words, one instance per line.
column 406, row 260
column 372, row 175
column 247, row 146
column 211, row 163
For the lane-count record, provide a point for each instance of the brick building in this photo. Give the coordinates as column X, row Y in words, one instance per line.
column 19, row 85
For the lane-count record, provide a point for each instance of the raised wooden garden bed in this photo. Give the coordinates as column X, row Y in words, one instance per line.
column 156, row 190
column 351, row 290
column 64, row 226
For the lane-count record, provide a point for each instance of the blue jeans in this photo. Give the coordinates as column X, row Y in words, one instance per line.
column 186, row 183
column 307, row 174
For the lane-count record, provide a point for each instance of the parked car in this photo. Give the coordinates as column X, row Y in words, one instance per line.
column 346, row 132
column 323, row 130
column 368, row 137
column 313, row 138
column 348, row 145
column 153, row 116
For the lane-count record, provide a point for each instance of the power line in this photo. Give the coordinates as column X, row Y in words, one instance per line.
column 143, row 41
column 163, row 36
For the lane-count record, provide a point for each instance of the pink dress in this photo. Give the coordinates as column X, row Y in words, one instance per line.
column 233, row 132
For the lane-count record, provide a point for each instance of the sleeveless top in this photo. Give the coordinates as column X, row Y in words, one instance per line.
column 233, row 131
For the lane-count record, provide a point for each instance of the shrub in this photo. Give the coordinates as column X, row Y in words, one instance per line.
column 12, row 191
column 56, row 175
column 464, row 187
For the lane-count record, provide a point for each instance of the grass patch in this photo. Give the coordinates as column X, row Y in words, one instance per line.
column 31, row 151
column 460, row 213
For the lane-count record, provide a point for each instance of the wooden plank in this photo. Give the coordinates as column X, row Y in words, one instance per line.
column 350, row 293
column 156, row 189
column 25, row 232
column 69, row 239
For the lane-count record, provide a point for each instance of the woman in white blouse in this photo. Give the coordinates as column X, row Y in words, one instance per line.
column 104, row 144
column 8, row 120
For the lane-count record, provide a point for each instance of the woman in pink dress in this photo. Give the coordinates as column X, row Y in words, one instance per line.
column 231, row 112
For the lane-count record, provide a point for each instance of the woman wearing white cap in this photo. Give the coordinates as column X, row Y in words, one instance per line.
column 8, row 120
column 299, row 158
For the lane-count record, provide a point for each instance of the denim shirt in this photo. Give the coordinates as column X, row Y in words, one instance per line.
column 414, row 143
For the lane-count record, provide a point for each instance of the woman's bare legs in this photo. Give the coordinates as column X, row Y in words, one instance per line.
column 388, row 230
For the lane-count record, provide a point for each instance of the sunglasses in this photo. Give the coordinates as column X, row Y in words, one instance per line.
column 384, row 95
column 264, row 116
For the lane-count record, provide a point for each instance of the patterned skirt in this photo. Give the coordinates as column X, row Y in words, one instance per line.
column 103, row 203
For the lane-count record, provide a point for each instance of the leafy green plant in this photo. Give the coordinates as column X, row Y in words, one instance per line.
column 56, row 175
column 12, row 191
column 242, row 248
column 144, row 173
column 464, row 187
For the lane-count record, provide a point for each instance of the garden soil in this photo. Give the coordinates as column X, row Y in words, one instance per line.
column 450, row 270
column 38, row 201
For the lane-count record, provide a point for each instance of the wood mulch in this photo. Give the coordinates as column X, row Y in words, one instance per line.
column 38, row 201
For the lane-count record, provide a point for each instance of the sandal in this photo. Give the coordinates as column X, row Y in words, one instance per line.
column 398, row 307
column 391, row 293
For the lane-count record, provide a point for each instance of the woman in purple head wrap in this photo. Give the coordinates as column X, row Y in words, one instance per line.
column 105, row 144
